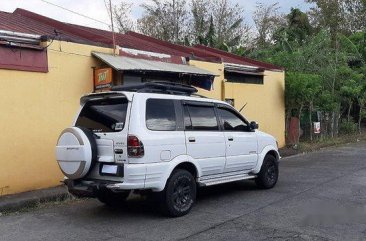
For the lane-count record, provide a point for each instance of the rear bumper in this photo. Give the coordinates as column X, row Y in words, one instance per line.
column 90, row 188
column 136, row 177
column 86, row 188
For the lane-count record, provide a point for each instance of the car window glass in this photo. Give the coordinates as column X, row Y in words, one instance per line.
column 103, row 115
column 160, row 115
column 231, row 122
column 203, row 118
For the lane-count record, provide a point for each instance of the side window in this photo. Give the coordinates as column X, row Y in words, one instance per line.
column 160, row 115
column 202, row 118
column 231, row 121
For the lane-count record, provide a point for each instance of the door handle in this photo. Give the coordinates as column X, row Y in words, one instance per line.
column 230, row 138
column 191, row 139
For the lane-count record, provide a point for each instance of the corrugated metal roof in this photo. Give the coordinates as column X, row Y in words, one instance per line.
column 236, row 59
column 132, row 64
column 17, row 22
column 202, row 51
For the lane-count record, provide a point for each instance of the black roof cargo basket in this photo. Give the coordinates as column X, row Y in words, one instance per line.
column 161, row 87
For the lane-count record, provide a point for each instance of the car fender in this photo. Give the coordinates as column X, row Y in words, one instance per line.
column 262, row 155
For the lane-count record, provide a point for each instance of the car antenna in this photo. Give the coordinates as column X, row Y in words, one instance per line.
column 243, row 107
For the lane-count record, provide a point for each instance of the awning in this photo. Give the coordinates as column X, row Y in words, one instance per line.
column 243, row 69
column 122, row 63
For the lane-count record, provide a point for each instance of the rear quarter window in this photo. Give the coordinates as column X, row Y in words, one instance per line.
column 107, row 115
column 160, row 115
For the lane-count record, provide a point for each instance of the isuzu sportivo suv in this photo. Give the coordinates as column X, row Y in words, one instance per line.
column 160, row 137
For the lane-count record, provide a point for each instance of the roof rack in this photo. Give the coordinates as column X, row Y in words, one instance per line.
column 161, row 87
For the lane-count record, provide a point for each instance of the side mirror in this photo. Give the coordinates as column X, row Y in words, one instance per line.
column 253, row 125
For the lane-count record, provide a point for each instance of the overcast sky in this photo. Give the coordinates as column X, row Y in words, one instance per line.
column 96, row 9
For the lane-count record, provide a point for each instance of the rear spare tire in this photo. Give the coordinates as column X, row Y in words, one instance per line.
column 76, row 152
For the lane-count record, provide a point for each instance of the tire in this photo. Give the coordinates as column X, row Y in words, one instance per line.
column 76, row 152
column 112, row 199
column 179, row 194
column 268, row 175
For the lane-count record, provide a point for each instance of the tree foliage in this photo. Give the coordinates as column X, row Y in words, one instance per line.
column 267, row 19
column 167, row 18
column 215, row 23
column 122, row 17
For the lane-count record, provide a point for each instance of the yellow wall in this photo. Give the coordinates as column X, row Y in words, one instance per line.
column 35, row 108
column 218, row 70
column 265, row 103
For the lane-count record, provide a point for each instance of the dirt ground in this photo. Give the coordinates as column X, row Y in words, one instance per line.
column 310, row 146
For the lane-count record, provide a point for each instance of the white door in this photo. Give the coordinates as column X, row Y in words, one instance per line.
column 241, row 143
column 205, row 142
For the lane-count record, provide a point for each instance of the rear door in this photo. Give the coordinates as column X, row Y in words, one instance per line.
column 107, row 118
column 241, row 142
column 204, row 140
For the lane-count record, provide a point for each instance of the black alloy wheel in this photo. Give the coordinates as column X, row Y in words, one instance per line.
column 268, row 175
column 179, row 194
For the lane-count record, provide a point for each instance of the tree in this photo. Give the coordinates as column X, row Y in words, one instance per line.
column 355, row 11
column 201, row 18
column 218, row 23
column 356, row 44
column 301, row 91
column 361, row 100
column 210, row 36
column 229, row 23
column 299, row 27
column 122, row 17
column 266, row 19
column 339, row 16
column 167, row 18
column 215, row 23
column 352, row 87
column 329, row 15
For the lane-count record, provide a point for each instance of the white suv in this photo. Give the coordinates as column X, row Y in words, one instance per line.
column 161, row 137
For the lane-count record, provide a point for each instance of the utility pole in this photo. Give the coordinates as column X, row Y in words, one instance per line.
column 113, row 37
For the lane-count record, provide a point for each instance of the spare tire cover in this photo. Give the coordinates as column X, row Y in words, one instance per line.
column 76, row 152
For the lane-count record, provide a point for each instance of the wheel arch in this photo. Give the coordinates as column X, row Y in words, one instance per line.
column 181, row 162
column 273, row 153
column 268, row 150
column 189, row 166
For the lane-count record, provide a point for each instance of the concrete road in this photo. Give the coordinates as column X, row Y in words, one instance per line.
column 320, row 196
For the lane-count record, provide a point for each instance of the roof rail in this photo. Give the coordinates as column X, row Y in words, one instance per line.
column 161, row 87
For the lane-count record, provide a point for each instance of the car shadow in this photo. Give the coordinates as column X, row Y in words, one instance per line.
column 149, row 206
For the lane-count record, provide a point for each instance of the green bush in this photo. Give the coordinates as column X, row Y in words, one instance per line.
column 347, row 127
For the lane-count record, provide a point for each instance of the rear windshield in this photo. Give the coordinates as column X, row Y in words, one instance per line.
column 107, row 115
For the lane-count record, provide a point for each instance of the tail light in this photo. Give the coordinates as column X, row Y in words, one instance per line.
column 135, row 148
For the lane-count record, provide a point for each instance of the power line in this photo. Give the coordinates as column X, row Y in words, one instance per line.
column 82, row 15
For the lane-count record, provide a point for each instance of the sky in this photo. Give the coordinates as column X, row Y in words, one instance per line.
column 96, row 9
